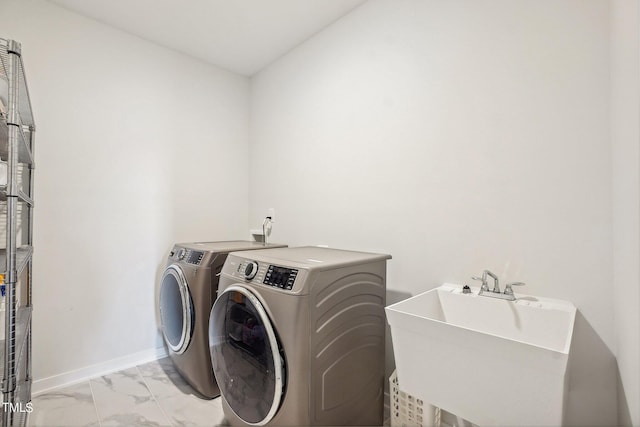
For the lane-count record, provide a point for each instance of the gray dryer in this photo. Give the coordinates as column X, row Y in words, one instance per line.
column 297, row 337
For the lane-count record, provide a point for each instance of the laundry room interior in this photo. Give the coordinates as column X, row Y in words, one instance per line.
column 455, row 136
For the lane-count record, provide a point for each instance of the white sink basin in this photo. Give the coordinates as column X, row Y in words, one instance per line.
column 490, row 361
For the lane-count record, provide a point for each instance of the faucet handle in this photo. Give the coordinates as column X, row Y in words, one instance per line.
column 484, row 286
column 508, row 290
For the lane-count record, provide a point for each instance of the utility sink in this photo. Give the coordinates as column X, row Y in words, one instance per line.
column 490, row 361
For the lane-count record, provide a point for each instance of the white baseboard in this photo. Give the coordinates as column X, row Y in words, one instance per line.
column 83, row 374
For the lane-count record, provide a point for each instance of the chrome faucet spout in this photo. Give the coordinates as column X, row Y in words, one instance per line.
column 496, row 286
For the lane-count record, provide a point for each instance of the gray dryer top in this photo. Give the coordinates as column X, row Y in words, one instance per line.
column 313, row 257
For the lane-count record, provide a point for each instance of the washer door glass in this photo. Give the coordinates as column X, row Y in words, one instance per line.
column 176, row 309
column 246, row 356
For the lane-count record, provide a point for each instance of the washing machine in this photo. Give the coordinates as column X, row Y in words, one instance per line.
column 187, row 292
column 297, row 337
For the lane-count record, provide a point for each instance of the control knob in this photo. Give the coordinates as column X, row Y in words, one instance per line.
column 181, row 253
column 251, row 270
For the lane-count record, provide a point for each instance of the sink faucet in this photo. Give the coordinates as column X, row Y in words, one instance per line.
column 485, row 286
column 495, row 293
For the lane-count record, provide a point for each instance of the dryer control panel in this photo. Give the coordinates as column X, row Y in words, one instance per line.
column 272, row 275
column 280, row 277
column 251, row 270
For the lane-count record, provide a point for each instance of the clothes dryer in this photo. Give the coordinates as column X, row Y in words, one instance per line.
column 297, row 337
column 187, row 291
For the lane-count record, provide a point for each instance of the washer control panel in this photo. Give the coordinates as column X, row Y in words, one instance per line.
column 187, row 255
column 280, row 277
column 195, row 257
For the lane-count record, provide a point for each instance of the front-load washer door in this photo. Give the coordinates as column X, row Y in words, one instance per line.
column 245, row 353
column 176, row 309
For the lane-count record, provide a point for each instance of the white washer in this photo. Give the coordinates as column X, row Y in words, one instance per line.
column 297, row 337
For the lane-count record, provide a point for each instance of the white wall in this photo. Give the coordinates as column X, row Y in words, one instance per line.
column 625, row 127
column 136, row 148
column 456, row 136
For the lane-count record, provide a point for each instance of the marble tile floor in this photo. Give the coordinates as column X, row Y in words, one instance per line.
column 153, row 394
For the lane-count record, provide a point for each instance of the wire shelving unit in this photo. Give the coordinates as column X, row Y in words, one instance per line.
column 17, row 133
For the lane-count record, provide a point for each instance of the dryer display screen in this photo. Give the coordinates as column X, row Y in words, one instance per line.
column 280, row 277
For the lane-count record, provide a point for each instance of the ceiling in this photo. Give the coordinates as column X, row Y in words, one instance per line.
column 243, row 36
